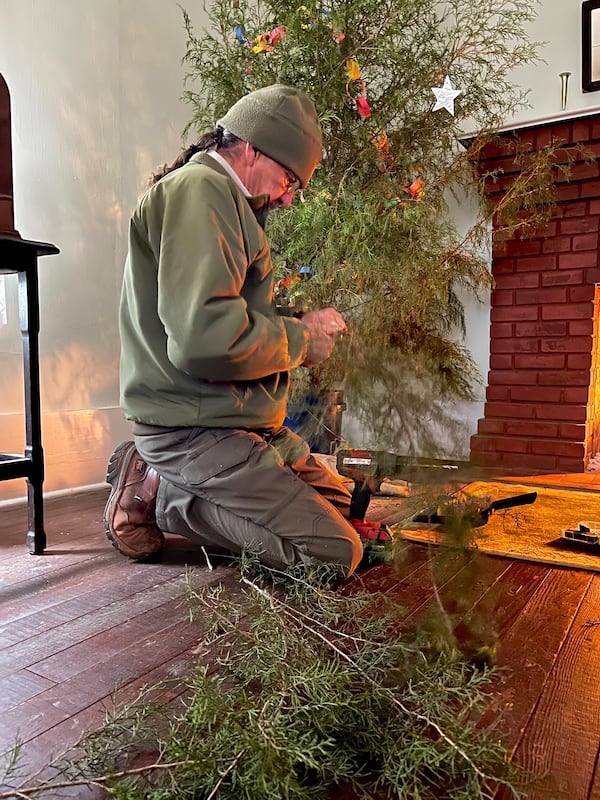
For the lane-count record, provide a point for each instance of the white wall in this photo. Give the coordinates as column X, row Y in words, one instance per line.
column 558, row 25
column 95, row 90
column 96, row 105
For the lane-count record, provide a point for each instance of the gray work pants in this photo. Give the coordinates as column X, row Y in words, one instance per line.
column 228, row 489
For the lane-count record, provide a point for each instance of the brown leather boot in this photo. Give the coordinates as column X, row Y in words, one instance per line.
column 130, row 513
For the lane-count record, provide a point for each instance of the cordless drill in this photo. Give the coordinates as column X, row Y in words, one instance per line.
column 367, row 468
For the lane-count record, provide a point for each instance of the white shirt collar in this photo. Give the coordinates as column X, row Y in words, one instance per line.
column 227, row 166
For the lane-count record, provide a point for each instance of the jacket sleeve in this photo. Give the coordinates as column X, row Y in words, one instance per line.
column 208, row 246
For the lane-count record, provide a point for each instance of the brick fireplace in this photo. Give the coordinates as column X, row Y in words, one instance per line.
column 542, row 410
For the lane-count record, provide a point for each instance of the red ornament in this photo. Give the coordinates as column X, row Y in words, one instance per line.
column 362, row 106
column 416, row 189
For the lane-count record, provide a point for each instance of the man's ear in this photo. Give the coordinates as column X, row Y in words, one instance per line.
column 250, row 154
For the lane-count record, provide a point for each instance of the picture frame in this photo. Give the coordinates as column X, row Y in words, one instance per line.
column 590, row 41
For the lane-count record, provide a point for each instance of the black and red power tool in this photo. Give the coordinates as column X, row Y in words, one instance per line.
column 365, row 468
column 368, row 469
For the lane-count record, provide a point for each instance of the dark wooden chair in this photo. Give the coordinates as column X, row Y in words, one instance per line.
column 18, row 255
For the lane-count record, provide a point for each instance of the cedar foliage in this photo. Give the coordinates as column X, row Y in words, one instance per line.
column 319, row 692
column 393, row 261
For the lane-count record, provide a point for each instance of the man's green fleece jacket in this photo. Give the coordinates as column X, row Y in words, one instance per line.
column 202, row 343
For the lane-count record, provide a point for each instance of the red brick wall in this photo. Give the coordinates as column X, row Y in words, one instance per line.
column 542, row 321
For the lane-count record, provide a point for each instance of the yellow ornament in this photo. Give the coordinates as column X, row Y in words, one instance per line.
column 353, row 69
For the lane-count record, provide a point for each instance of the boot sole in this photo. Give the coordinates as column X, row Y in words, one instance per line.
column 115, row 474
column 118, row 463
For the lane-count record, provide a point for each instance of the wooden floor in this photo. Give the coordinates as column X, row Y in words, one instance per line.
column 81, row 620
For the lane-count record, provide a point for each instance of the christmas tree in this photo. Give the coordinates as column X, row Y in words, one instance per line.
column 396, row 83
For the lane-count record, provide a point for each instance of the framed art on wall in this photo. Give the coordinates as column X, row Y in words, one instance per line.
column 590, row 40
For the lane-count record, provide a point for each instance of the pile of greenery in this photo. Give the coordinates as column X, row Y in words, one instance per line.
column 375, row 229
column 318, row 693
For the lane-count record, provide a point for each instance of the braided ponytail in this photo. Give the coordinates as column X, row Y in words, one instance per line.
column 219, row 138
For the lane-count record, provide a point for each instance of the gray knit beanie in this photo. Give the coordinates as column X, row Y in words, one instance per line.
column 282, row 123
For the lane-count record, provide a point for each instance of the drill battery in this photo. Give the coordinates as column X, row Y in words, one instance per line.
column 376, row 540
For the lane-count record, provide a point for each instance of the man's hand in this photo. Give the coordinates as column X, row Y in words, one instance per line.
column 324, row 327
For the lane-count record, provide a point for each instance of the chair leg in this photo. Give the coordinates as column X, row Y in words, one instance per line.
column 30, row 326
column 36, row 535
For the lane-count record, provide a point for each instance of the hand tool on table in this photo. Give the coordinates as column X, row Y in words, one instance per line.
column 585, row 533
column 471, row 514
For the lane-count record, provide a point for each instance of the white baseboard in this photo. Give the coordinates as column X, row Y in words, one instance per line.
column 22, row 501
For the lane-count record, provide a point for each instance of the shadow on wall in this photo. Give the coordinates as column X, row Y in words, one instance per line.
column 104, row 101
column 77, row 446
column 409, row 417
column 92, row 117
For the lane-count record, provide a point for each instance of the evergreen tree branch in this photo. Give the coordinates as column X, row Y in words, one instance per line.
column 293, row 614
column 101, row 781
column 229, row 770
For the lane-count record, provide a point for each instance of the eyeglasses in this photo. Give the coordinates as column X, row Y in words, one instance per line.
column 292, row 184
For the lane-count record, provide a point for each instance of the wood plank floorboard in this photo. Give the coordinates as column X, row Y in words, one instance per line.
column 503, row 603
column 461, row 579
column 112, row 618
column 81, row 623
column 19, row 686
column 77, row 692
column 529, row 648
column 567, row 713
column 386, row 578
column 78, row 596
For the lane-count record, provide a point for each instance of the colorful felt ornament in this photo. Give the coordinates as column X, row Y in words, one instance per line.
column 337, row 36
column 289, row 281
column 381, row 143
column 307, row 13
column 240, row 35
column 360, row 101
column 286, row 286
column 362, row 106
column 288, row 291
column 416, row 189
column 278, row 34
column 352, row 69
column 266, row 42
column 262, row 44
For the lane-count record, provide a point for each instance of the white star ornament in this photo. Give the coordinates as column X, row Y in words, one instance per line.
column 445, row 96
